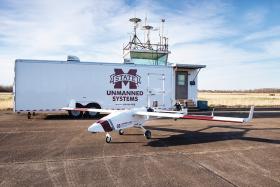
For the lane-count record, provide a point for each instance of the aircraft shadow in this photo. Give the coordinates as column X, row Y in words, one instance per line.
column 134, row 134
column 197, row 137
column 136, row 142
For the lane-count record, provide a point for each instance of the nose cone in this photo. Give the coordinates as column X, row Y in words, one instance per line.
column 96, row 127
column 102, row 125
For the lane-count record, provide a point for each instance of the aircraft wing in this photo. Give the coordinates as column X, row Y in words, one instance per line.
column 159, row 114
column 221, row 118
column 198, row 117
column 215, row 118
column 106, row 111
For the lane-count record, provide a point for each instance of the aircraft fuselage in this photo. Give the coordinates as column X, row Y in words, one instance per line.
column 116, row 121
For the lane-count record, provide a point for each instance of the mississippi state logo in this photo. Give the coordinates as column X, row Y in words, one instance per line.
column 130, row 78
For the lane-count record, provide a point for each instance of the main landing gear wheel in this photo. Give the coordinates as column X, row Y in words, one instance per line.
column 121, row 132
column 148, row 134
column 108, row 138
column 28, row 115
column 92, row 114
column 74, row 113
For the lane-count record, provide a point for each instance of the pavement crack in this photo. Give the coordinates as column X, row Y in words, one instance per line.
column 68, row 163
column 52, row 174
column 140, row 155
column 3, row 137
column 107, row 167
column 147, row 170
column 211, row 171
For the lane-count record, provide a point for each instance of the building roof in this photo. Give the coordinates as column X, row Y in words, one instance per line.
column 189, row 66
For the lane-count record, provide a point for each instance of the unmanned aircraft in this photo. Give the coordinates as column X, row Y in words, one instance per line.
column 118, row 120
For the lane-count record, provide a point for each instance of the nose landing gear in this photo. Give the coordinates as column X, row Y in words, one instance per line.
column 121, row 132
column 108, row 138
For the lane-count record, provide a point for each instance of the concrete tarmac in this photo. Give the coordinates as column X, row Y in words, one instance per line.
column 57, row 151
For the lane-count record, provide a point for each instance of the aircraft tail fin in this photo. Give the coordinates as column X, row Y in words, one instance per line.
column 72, row 103
column 250, row 117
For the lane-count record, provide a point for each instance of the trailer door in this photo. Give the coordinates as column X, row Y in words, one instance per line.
column 156, row 89
column 181, row 83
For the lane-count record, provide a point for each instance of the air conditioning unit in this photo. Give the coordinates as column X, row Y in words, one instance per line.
column 71, row 58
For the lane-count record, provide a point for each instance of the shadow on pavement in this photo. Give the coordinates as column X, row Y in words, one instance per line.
column 197, row 137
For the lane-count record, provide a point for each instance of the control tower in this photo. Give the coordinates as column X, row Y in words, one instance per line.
column 146, row 52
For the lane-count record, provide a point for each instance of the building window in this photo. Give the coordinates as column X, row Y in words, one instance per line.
column 181, row 80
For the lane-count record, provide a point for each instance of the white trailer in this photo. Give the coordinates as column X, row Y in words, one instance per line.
column 44, row 86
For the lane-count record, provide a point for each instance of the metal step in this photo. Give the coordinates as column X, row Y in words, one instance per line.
column 187, row 103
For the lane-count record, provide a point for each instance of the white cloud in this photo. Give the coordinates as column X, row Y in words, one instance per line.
column 199, row 32
column 264, row 34
column 273, row 48
column 6, row 71
column 243, row 76
column 198, row 22
column 255, row 16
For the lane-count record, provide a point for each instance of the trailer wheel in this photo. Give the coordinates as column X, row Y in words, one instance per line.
column 28, row 115
column 92, row 114
column 76, row 114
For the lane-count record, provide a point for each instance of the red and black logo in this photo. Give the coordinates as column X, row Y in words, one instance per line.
column 130, row 77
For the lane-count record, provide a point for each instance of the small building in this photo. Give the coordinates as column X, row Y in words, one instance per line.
column 186, row 83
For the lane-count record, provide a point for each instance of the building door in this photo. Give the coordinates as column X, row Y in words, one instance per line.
column 181, row 85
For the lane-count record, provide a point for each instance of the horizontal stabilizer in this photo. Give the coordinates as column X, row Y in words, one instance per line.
column 89, row 110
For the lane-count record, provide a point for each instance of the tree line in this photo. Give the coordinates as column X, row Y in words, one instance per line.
column 6, row 88
column 259, row 90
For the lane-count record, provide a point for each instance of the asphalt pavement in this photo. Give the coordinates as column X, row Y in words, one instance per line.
column 58, row 151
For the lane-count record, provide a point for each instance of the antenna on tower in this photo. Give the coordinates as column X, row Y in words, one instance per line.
column 148, row 29
column 162, row 32
column 135, row 40
column 135, row 22
column 145, row 30
column 136, row 51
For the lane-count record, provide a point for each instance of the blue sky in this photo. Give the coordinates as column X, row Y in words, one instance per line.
column 239, row 41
